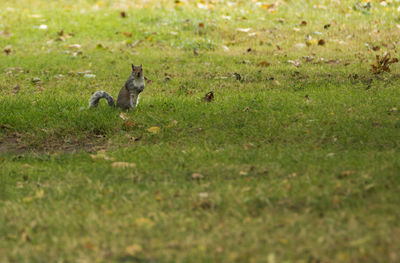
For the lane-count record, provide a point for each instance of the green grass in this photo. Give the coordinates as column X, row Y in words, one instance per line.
column 299, row 164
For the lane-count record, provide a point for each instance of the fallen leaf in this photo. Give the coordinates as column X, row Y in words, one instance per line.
column 197, row 176
column 376, row 48
column 123, row 165
column 7, row 50
column 335, row 201
column 201, row 24
column 347, row 173
column 296, row 62
column 25, row 237
column 321, row 42
column 154, row 129
column 16, row 89
column 89, row 245
column 178, row 3
column 35, row 80
column 264, row 64
column 6, row 33
column 382, row 64
column 123, row 14
column 303, row 23
column 127, row 34
column 123, row 116
column 245, row 30
column 130, row 124
column 225, row 48
column 332, row 61
column 203, row 195
column 143, row 221
column 209, row 96
column 308, row 58
column 132, row 250
column 237, row 76
column 75, row 46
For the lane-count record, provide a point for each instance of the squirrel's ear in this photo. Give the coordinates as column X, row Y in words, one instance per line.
column 133, row 67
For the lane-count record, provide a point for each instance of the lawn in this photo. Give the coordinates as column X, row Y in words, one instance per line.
column 295, row 159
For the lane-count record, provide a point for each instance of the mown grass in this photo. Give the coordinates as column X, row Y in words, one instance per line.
column 299, row 164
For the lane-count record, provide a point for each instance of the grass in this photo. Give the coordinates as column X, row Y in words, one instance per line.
column 298, row 164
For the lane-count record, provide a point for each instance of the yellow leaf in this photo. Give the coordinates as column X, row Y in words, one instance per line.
column 27, row 199
column 145, row 222
column 267, row 6
column 178, row 3
column 39, row 193
column 133, row 249
column 154, row 129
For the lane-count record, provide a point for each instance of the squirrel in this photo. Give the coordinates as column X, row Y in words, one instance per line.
column 128, row 96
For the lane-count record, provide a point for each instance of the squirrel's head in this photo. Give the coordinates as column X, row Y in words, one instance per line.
column 137, row 71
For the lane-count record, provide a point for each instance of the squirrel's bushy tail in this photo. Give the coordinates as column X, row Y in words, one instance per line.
column 94, row 101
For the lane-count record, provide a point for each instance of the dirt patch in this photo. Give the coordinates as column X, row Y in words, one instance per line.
column 16, row 144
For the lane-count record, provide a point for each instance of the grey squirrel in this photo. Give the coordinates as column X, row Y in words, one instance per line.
column 128, row 96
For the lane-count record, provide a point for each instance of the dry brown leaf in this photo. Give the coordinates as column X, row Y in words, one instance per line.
column 382, row 64
column 376, row 48
column 209, row 97
column 321, row 42
column 25, row 237
column 7, row 50
column 130, row 124
column 16, row 89
column 197, row 176
column 264, row 64
column 127, row 34
column 332, row 61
